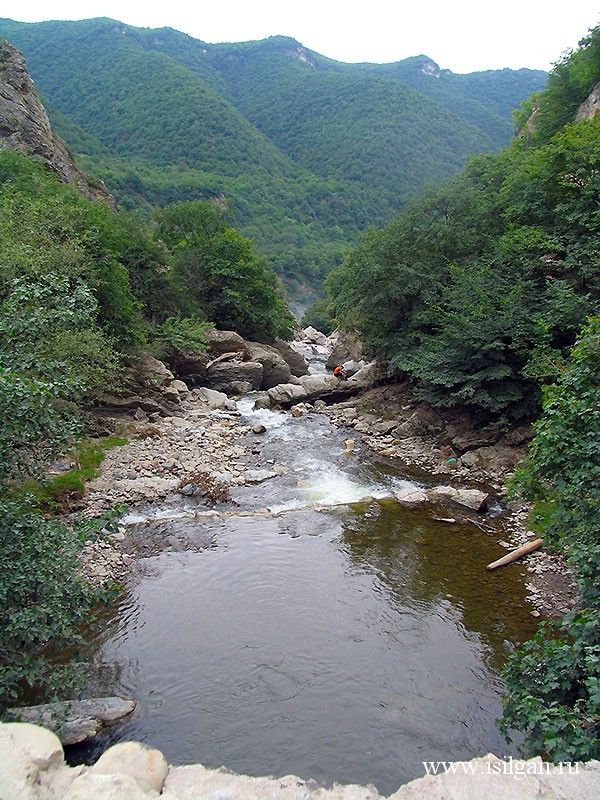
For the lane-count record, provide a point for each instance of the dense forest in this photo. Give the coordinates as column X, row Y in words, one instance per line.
column 307, row 151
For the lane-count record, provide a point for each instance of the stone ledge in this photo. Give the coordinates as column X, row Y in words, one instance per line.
column 32, row 767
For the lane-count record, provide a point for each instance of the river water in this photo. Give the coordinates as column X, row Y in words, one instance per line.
column 319, row 628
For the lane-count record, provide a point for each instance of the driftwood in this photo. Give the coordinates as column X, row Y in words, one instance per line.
column 515, row 554
column 225, row 357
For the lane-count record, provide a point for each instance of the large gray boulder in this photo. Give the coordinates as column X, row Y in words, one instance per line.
column 345, row 347
column 286, row 394
column 275, row 369
column 295, row 360
column 234, row 378
column 220, row 342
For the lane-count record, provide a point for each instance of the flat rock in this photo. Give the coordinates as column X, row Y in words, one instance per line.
column 474, row 499
column 411, row 496
column 75, row 721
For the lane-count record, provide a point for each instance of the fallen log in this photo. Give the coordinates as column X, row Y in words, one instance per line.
column 515, row 554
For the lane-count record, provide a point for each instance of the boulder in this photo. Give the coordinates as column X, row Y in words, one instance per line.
column 294, row 359
column 146, row 765
column 411, row 496
column 191, row 367
column 314, row 336
column 75, row 720
column 472, row 440
column 234, row 378
column 474, row 499
column 345, row 347
column 213, row 399
column 286, row 393
column 29, row 758
column 370, row 375
column 275, row 369
column 180, row 387
column 220, row 342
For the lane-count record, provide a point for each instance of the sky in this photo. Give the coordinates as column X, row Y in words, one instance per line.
column 461, row 35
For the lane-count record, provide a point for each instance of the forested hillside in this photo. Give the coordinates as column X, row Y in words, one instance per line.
column 307, row 150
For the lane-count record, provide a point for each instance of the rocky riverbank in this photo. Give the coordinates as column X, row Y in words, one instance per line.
column 32, row 767
column 459, row 446
column 189, row 441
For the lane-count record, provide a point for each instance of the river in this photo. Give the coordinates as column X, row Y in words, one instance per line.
column 317, row 628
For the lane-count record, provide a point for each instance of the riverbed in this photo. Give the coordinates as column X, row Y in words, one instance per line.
column 312, row 625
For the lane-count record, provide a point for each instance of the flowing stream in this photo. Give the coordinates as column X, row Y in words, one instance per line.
column 319, row 628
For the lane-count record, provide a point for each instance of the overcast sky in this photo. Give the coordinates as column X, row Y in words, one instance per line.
column 461, row 35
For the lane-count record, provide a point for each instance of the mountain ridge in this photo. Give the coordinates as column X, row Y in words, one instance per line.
column 309, row 150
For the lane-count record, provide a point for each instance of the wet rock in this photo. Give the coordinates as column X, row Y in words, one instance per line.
column 258, row 429
column 297, row 411
column 76, row 720
column 262, row 401
column 411, row 496
column 474, row 499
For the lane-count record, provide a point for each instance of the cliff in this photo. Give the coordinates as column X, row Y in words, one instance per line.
column 24, row 126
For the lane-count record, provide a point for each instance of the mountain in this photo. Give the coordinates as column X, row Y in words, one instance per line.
column 25, row 126
column 308, row 150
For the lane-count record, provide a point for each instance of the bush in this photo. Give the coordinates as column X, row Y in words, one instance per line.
column 44, row 601
column 553, row 682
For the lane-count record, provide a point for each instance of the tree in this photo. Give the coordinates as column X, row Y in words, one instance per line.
column 224, row 280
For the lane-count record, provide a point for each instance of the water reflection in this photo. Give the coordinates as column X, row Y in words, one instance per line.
column 421, row 560
column 332, row 645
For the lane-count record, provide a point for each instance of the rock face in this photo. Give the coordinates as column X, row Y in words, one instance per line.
column 32, row 767
column 591, row 106
column 24, row 126
column 149, row 390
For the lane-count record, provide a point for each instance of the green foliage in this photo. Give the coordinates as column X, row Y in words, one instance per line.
column 61, row 493
column 46, row 227
column 44, row 601
column 571, row 81
column 563, row 466
column 553, row 689
column 224, row 280
column 39, row 377
column 180, row 334
column 553, row 682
